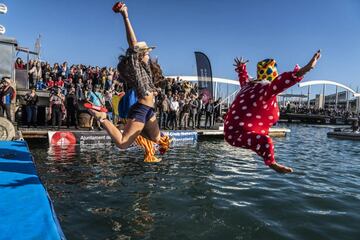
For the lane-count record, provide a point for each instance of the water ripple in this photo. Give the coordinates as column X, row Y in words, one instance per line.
column 210, row 191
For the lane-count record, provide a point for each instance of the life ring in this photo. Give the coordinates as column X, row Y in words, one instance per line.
column 63, row 139
column 7, row 130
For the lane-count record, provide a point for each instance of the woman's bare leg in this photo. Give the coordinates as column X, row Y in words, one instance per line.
column 131, row 131
column 151, row 130
column 122, row 140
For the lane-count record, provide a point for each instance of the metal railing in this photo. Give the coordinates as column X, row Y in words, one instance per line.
column 227, row 98
column 221, row 102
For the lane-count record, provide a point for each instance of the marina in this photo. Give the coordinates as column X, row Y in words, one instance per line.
column 207, row 191
column 179, row 120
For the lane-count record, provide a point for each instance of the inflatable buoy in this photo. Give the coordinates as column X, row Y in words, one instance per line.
column 7, row 130
column 63, row 139
column 97, row 108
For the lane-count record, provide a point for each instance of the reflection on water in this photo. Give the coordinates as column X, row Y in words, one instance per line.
column 210, row 191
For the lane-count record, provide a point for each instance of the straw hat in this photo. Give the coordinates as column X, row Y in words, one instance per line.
column 142, row 47
column 6, row 79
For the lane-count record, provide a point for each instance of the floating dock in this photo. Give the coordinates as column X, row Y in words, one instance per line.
column 26, row 211
column 42, row 133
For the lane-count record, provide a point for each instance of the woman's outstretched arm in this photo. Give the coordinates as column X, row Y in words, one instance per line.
column 130, row 34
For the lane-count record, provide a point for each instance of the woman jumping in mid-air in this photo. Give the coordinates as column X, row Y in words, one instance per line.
column 138, row 75
column 255, row 109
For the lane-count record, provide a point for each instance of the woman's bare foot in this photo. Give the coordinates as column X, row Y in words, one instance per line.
column 152, row 159
column 281, row 168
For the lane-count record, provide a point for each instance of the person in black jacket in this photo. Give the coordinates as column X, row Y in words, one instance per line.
column 7, row 96
column 194, row 105
column 31, row 100
column 71, row 103
column 209, row 111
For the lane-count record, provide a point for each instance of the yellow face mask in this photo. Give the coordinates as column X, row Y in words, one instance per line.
column 266, row 70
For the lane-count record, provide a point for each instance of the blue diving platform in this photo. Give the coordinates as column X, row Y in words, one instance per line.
column 26, row 211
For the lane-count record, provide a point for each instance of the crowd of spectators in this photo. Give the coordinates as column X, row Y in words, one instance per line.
column 331, row 112
column 178, row 103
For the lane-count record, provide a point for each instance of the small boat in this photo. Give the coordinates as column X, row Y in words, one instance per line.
column 344, row 133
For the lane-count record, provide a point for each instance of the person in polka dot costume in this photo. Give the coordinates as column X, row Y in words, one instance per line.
column 255, row 108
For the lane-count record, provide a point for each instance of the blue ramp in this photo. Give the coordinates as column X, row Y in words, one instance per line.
column 26, row 211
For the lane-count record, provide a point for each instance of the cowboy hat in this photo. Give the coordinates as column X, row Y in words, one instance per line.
column 142, row 47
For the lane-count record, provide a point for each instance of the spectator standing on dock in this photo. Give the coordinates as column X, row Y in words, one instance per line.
column 174, row 109
column 7, row 95
column 185, row 112
column 200, row 111
column 19, row 64
column 209, row 113
column 217, row 110
column 57, row 108
column 55, row 70
column 179, row 114
column 164, row 112
column 97, row 99
column 109, row 106
column 194, row 105
column 46, row 72
column 80, row 89
column 35, row 73
column 72, row 106
column 88, row 86
column 64, row 70
column 31, row 101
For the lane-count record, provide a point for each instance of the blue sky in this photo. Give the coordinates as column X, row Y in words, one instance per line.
column 290, row 31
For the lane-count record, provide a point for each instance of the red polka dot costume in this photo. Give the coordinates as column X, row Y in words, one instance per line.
column 255, row 108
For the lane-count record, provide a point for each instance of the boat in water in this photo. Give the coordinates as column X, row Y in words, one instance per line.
column 344, row 133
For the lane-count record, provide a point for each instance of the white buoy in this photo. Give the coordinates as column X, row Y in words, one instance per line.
column 2, row 30
column 3, row 8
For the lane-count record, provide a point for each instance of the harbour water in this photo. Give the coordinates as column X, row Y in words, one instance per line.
column 209, row 191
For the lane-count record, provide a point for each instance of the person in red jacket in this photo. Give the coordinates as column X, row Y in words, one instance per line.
column 50, row 83
column 19, row 64
column 255, row 108
column 59, row 83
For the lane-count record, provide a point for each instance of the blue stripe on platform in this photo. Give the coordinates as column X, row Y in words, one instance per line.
column 26, row 211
